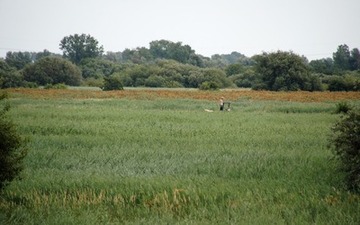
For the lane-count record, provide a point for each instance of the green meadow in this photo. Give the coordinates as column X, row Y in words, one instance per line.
column 166, row 161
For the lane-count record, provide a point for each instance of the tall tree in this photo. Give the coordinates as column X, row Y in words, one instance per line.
column 43, row 54
column 9, row 76
column 355, row 59
column 164, row 49
column 113, row 56
column 53, row 70
column 77, row 47
column 342, row 58
column 325, row 66
column 18, row 59
column 138, row 55
column 283, row 71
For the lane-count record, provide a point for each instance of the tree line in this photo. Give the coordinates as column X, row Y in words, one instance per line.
column 173, row 64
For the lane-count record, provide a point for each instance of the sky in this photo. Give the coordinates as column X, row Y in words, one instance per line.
column 313, row 28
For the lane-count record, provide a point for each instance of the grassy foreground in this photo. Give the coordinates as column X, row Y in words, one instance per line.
column 167, row 161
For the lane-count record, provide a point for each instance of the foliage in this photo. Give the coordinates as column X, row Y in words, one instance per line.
column 112, row 82
column 155, row 81
column 163, row 49
column 9, row 76
column 12, row 147
column 323, row 66
column 209, row 85
column 43, row 54
column 344, row 59
column 224, row 60
column 345, row 141
column 347, row 82
column 56, row 86
column 283, row 71
column 343, row 107
column 115, row 57
column 355, row 59
column 174, row 64
column 138, row 55
column 53, row 70
column 314, row 83
column 245, row 79
column 96, row 68
column 18, row 59
column 78, row 47
column 234, row 69
column 170, row 73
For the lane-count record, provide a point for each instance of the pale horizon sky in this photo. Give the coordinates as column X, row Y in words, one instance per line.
column 313, row 28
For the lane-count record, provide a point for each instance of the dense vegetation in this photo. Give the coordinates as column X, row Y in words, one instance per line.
column 143, row 159
column 345, row 141
column 172, row 64
column 12, row 146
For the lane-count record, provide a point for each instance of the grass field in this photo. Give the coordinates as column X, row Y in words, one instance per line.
column 156, row 157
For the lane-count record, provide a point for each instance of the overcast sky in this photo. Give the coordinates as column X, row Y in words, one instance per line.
column 314, row 28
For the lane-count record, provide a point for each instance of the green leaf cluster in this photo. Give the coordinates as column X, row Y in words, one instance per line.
column 345, row 141
column 12, row 147
column 284, row 71
column 53, row 70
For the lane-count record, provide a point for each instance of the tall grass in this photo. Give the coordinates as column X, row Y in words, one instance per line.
column 170, row 162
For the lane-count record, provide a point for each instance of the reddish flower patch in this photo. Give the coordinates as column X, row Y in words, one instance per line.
column 232, row 95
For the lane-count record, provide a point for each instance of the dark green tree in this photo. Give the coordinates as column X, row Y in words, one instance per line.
column 283, row 71
column 164, row 49
column 12, row 147
column 160, row 49
column 18, row 59
column 155, row 81
column 342, row 58
column 217, row 76
column 113, row 56
column 345, row 141
column 355, row 59
column 218, row 61
column 96, row 67
column 53, row 70
column 324, row 66
column 112, row 82
column 78, row 47
column 209, row 85
column 245, row 79
column 347, row 82
column 138, row 55
column 43, row 54
column 233, row 69
column 9, row 76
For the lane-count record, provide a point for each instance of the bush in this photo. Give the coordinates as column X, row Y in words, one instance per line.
column 112, row 83
column 209, row 85
column 347, row 82
column 155, row 81
column 337, row 83
column 283, row 71
column 343, row 107
column 27, row 84
column 9, row 76
column 53, row 70
column 12, row 148
column 96, row 68
column 56, row 86
column 345, row 141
